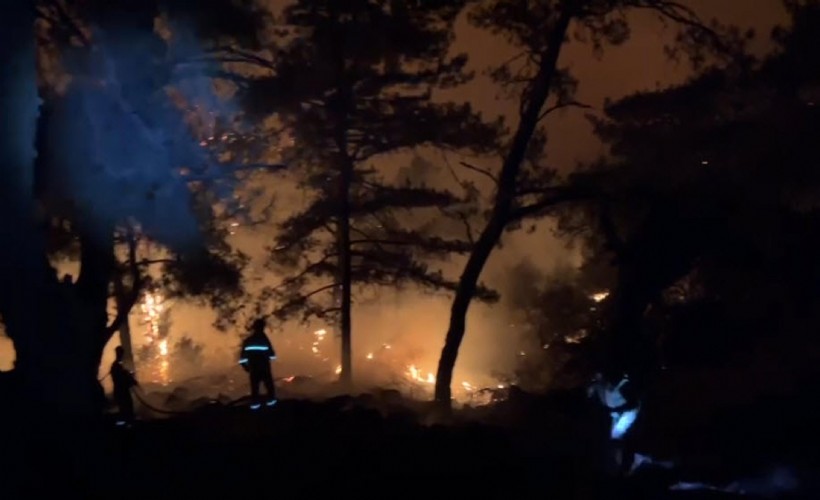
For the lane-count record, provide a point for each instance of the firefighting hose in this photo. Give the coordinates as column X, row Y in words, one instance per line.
column 167, row 412
column 153, row 408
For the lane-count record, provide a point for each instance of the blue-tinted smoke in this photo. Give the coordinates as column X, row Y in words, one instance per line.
column 118, row 142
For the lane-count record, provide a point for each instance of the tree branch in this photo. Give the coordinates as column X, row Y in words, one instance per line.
column 239, row 56
column 285, row 308
column 562, row 105
column 549, row 200
column 452, row 170
column 468, row 228
column 307, row 270
column 480, row 171
column 685, row 16
column 319, row 290
column 428, row 243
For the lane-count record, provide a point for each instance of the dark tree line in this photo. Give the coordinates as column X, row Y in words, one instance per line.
column 525, row 184
column 703, row 224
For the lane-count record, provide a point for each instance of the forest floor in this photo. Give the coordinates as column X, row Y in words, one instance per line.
column 377, row 447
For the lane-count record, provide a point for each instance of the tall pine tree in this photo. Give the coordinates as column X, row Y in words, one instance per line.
column 354, row 81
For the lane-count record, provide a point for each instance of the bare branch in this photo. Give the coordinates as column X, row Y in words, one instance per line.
column 550, row 200
column 468, row 228
column 307, row 270
column 453, row 246
column 236, row 55
column 480, row 171
column 452, row 170
column 562, row 105
column 685, row 16
column 514, row 58
column 301, row 299
column 317, row 291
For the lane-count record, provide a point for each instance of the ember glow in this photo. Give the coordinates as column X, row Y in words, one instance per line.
column 463, row 392
column 319, row 335
column 400, row 366
column 309, row 360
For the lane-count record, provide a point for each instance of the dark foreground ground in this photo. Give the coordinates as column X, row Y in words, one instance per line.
column 364, row 448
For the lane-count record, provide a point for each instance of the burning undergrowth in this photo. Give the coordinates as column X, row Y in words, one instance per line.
column 387, row 374
column 180, row 370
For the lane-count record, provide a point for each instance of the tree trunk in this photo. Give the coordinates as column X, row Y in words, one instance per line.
column 24, row 272
column 123, row 303
column 58, row 349
column 504, row 198
column 60, row 340
column 341, row 107
column 458, row 312
column 346, row 377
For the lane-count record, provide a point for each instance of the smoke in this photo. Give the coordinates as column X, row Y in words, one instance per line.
column 414, row 323
column 120, row 137
column 393, row 330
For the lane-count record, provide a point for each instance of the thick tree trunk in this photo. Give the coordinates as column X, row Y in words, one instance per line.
column 60, row 346
column 506, row 191
column 57, row 353
column 24, row 272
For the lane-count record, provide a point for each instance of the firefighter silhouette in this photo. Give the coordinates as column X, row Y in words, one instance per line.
column 123, row 381
column 255, row 357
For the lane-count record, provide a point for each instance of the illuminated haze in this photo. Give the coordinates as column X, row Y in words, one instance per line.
column 414, row 323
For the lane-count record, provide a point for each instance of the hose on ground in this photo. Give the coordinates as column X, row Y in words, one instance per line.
column 162, row 411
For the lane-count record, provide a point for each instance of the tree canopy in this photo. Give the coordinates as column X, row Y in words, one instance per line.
column 353, row 83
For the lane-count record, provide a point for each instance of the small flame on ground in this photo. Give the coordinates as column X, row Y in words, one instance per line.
column 416, row 375
column 600, row 296
column 472, row 392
